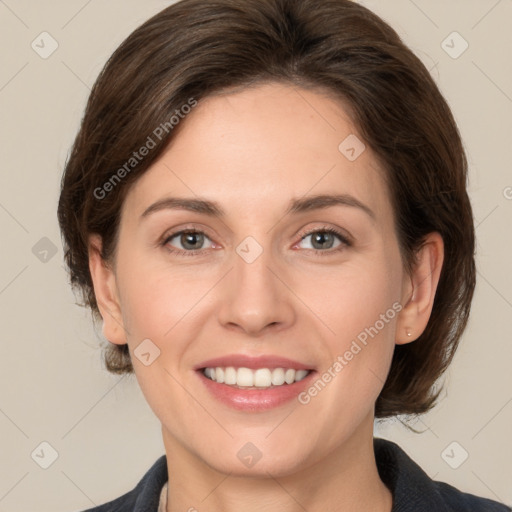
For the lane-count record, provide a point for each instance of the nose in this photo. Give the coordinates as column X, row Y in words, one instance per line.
column 255, row 297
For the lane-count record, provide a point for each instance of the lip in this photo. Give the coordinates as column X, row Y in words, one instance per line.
column 255, row 400
column 253, row 362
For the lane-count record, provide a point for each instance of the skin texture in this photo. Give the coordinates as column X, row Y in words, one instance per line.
column 252, row 151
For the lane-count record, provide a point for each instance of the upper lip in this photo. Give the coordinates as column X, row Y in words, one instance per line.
column 253, row 362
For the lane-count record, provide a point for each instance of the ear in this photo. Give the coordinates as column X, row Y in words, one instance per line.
column 419, row 291
column 105, row 290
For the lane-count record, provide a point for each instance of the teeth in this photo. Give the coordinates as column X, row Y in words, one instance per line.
column 300, row 374
column 289, row 376
column 278, row 377
column 244, row 376
column 229, row 375
column 260, row 378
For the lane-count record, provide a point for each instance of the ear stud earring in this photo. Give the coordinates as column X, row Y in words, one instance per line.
column 408, row 332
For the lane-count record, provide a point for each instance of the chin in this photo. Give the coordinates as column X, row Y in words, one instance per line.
column 259, row 458
column 262, row 468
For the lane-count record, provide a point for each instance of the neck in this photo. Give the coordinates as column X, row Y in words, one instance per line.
column 346, row 480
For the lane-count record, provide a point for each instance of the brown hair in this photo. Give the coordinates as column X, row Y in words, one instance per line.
column 196, row 48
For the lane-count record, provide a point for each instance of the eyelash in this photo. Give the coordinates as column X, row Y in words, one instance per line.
column 345, row 242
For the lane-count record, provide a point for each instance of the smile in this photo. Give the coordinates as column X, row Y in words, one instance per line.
column 247, row 378
column 254, row 390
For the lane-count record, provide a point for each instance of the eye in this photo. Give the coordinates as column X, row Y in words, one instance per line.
column 324, row 239
column 191, row 241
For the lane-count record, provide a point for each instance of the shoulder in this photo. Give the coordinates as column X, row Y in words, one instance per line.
column 458, row 501
column 144, row 496
column 413, row 490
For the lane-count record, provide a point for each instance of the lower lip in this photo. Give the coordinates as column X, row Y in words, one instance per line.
column 255, row 399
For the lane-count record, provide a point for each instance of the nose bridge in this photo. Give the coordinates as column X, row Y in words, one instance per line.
column 252, row 261
column 255, row 297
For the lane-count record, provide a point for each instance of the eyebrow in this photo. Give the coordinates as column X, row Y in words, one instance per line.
column 299, row 205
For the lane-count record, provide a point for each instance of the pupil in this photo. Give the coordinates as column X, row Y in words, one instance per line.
column 190, row 238
column 320, row 238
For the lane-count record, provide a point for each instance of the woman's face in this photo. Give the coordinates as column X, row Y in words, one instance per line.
column 261, row 280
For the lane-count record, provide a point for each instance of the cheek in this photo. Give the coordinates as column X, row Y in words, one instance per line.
column 360, row 305
column 160, row 302
column 352, row 296
column 357, row 304
column 162, row 305
column 154, row 303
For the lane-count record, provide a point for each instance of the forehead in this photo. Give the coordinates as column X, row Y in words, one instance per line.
column 261, row 146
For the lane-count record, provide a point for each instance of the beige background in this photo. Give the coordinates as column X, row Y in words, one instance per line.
column 53, row 387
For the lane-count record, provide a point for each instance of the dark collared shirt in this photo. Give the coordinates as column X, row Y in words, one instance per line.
column 413, row 490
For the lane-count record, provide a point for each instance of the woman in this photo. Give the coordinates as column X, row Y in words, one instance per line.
column 266, row 206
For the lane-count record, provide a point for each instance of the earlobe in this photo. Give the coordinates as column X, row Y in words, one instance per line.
column 105, row 290
column 418, row 296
